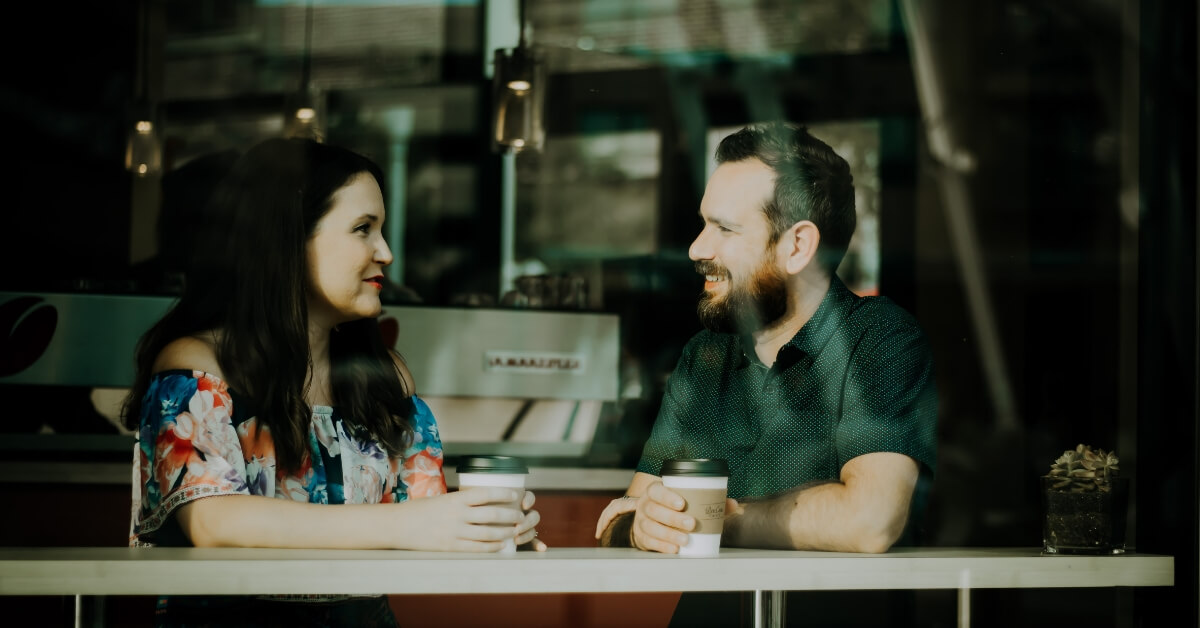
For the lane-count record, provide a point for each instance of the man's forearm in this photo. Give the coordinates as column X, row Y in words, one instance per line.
column 762, row 523
column 818, row 516
column 815, row 516
column 619, row 533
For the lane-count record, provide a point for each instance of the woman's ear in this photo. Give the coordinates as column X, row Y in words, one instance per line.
column 800, row 242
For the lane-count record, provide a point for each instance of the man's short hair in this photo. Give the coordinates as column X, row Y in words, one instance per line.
column 811, row 183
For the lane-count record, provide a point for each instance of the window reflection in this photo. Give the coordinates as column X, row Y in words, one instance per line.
column 588, row 198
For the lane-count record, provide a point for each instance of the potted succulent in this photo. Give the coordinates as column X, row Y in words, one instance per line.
column 1084, row 502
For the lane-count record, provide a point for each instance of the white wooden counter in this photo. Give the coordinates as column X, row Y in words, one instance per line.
column 149, row 571
column 122, row 571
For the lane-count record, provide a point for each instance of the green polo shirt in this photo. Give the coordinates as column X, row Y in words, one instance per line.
column 857, row 378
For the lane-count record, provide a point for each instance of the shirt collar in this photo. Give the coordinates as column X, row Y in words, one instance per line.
column 814, row 334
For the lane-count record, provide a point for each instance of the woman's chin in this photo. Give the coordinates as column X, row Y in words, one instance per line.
column 372, row 310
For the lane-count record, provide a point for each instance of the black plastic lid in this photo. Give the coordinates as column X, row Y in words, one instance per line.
column 491, row 464
column 696, row 467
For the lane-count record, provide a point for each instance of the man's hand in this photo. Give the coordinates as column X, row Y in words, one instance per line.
column 614, row 509
column 659, row 525
column 648, row 517
column 733, row 508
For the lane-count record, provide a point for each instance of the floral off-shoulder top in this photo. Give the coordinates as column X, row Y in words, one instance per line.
column 198, row 438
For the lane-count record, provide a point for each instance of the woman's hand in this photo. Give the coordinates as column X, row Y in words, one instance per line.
column 477, row 519
column 527, row 530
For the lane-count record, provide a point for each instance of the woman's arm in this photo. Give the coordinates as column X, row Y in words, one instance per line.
column 193, row 353
column 527, row 532
column 474, row 520
column 471, row 520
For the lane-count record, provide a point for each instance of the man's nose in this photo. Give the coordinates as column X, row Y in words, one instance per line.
column 699, row 249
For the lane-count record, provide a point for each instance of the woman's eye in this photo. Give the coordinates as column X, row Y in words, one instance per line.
column 363, row 228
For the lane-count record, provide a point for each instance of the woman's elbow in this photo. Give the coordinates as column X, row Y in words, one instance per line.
column 203, row 537
column 201, row 527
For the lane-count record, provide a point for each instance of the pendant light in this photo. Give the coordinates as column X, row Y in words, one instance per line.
column 302, row 119
column 143, row 150
column 518, row 95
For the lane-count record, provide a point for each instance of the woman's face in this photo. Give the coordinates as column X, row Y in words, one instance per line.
column 346, row 255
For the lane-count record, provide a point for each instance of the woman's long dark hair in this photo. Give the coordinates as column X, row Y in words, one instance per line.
column 248, row 281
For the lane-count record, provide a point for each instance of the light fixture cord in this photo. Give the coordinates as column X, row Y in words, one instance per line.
column 521, row 24
column 143, row 61
column 306, row 66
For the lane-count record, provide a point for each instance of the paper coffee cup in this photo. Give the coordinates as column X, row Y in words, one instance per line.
column 702, row 483
column 505, row 471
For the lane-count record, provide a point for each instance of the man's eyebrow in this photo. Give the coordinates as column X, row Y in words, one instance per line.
column 717, row 221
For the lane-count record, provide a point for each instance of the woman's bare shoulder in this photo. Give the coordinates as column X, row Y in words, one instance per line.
column 194, row 353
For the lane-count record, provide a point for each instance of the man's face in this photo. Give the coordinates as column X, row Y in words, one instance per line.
column 745, row 288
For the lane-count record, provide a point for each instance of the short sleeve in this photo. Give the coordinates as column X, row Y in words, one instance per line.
column 419, row 473
column 187, row 448
column 891, row 401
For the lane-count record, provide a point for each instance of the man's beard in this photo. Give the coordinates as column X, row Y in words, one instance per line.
column 748, row 306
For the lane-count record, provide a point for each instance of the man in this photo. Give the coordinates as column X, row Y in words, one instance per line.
column 822, row 402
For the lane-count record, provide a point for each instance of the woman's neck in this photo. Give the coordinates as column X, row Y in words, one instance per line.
column 320, row 389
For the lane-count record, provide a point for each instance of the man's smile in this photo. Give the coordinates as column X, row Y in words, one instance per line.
column 711, row 281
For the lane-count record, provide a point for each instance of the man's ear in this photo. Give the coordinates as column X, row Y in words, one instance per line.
column 800, row 245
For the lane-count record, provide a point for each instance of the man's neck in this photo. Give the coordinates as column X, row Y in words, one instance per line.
column 804, row 297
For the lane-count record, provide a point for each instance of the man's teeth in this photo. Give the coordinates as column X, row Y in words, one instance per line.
column 712, row 278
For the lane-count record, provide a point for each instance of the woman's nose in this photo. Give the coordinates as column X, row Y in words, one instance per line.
column 383, row 254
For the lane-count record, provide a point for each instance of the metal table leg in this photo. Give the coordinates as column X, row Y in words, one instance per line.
column 89, row 611
column 768, row 608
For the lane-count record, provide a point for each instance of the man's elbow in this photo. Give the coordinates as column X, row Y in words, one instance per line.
column 861, row 537
column 873, row 533
column 874, row 544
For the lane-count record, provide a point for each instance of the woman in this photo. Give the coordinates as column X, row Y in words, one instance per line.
column 266, row 394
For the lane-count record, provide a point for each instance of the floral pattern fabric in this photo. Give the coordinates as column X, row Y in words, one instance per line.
column 198, row 438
